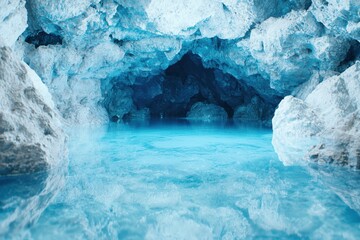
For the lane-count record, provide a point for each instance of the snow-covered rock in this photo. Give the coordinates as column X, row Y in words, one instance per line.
column 31, row 136
column 325, row 127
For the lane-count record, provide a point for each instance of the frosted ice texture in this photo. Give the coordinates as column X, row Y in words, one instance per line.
column 117, row 39
column 31, row 135
column 88, row 52
column 325, row 125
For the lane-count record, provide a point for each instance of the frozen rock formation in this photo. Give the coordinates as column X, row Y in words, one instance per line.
column 207, row 112
column 225, row 19
column 98, row 41
column 118, row 60
column 13, row 20
column 91, row 53
column 173, row 93
column 340, row 17
column 290, row 48
column 325, row 127
column 31, row 137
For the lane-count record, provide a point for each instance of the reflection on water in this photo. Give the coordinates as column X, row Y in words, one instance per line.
column 185, row 181
column 343, row 182
column 23, row 198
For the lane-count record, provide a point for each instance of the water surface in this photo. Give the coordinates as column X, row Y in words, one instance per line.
column 184, row 181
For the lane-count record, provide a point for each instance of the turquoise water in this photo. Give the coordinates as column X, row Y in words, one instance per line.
column 182, row 181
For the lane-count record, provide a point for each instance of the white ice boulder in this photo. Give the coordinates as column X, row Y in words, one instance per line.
column 31, row 135
column 325, row 127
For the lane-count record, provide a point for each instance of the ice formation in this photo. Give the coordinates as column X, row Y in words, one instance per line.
column 118, row 60
column 31, row 140
column 13, row 20
column 31, row 137
column 327, row 122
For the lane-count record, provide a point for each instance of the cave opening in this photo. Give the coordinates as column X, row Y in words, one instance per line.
column 187, row 89
column 44, row 39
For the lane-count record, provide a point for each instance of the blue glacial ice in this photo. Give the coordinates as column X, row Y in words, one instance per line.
column 75, row 45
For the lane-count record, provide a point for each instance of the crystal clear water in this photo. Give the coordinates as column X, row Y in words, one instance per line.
column 183, row 182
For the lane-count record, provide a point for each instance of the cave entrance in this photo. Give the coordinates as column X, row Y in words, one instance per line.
column 187, row 89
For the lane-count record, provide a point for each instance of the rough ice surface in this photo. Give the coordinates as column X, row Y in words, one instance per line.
column 31, row 141
column 340, row 17
column 272, row 47
column 13, row 20
column 126, row 61
column 294, row 50
column 193, row 182
column 109, row 49
column 31, row 135
column 327, row 121
column 172, row 94
column 98, row 40
column 207, row 112
column 119, row 61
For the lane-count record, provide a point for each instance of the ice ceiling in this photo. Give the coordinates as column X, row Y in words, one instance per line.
column 120, row 60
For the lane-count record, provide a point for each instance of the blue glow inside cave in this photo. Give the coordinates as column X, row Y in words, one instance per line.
column 160, row 119
column 173, row 92
column 176, row 180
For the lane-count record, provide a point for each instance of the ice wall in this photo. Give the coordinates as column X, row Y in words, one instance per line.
column 174, row 92
column 75, row 45
column 13, row 20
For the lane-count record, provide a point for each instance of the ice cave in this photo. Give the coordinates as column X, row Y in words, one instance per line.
column 179, row 119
